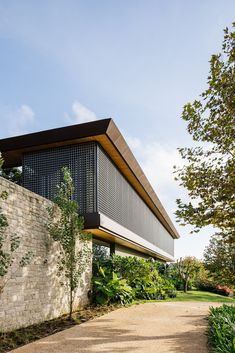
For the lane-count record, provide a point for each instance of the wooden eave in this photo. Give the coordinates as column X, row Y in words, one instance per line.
column 106, row 133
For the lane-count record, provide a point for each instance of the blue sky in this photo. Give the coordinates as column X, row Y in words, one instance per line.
column 64, row 62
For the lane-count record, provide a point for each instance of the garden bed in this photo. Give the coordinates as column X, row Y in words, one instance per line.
column 22, row 336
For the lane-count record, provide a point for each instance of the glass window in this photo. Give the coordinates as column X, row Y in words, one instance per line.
column 101, row 249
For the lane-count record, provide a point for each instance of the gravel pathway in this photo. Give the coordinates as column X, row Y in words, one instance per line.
column 165, row 327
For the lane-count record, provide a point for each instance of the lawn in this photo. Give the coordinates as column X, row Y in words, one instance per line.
column 202, row 297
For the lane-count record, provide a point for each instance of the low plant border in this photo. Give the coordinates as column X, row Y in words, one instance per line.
column 20, row 337
column 221, row 327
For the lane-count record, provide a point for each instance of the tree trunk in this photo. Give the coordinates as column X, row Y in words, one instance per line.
column 70, row 302
column 71, row 288
column 185, row 286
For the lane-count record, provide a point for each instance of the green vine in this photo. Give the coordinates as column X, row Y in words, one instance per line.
column 9, row 243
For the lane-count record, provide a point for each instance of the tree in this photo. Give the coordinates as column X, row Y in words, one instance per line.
column 12, row 174
column 219, row 260
column 9, row 243
column 66, row 227
column 187, row 269
column 209, row 174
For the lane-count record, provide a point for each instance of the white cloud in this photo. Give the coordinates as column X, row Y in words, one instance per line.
column 81, row 114
column 17, row 121
column 157, row 161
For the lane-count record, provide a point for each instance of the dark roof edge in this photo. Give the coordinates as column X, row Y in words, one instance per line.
column 60, row 134
column 85, row 130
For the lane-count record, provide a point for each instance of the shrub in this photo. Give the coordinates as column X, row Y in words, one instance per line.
column 211, row 286
column 221, row 335
column 206, row 285
column 224, row 290
column 139, row 274
column 108, row 288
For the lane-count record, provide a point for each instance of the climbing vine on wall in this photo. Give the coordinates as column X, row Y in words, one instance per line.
column 9, row 243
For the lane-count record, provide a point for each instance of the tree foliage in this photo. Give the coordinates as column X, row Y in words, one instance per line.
column 123, row 278
column 187, row 268
column 12, row 174
column 209, row 172
column 66, row 228
column 219, row 260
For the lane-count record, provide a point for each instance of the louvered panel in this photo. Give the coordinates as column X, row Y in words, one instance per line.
column 119, row 201
column 42, row 172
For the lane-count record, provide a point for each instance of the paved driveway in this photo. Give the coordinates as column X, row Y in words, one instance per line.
column 165, row 327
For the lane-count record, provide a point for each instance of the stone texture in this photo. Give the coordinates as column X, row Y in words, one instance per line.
column 33, row 294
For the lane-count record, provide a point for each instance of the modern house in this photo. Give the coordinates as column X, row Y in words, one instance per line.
column 118, row 203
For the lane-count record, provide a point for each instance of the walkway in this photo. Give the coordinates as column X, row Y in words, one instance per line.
column 165, row 327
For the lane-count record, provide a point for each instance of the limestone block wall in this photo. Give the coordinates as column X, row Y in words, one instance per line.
column 33, row 294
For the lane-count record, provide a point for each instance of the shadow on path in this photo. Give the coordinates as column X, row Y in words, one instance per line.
column 103, row 339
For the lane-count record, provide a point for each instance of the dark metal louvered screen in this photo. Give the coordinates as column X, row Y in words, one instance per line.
column 119, row 201
column 42, row 172
column 99, row 187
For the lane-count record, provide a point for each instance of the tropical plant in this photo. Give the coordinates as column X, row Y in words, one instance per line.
column 66, row 227
column 141, row 275
column 221, row 333
column 108, row 288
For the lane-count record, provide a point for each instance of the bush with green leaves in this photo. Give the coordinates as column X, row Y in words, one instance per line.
column 13, row 174
column 210, row 285
column 221, row 334
column 139, row 274
column 108, row 288
column 143, row 276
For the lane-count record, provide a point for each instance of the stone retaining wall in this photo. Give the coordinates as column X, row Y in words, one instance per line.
column 33, row 294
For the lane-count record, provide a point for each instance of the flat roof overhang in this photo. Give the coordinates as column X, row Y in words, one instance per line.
column 106, row 229
column 106, row 133
column 103, row 235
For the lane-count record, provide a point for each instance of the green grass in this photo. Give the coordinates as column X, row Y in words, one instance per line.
column 201, row 296
column 193, row 295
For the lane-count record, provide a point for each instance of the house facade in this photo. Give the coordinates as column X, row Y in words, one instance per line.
column 118, row 203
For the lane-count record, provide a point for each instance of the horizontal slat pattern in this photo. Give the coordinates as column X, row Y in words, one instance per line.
column 120, row 202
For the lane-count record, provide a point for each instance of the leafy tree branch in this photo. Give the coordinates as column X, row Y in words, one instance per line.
column 66, row 227
column 209, row 172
